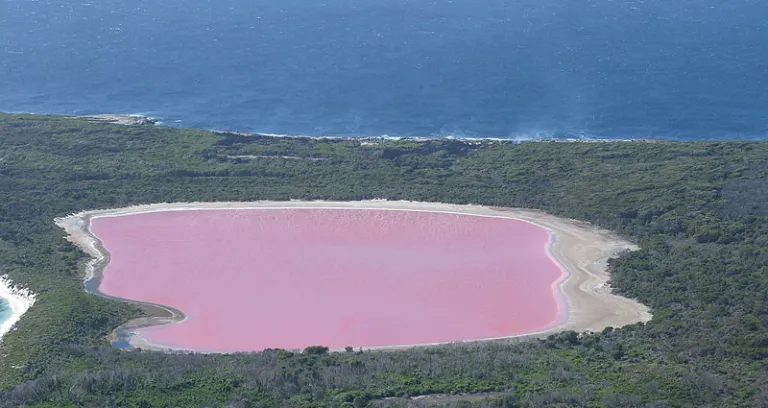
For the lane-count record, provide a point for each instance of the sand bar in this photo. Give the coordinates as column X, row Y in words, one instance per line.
column 582, row 250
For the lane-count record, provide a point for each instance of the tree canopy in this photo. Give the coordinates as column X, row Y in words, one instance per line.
column 698, row 210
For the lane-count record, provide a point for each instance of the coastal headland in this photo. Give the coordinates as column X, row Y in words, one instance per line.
column 140, row 120
column 696, row 210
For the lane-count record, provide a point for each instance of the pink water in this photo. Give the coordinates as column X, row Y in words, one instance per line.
column 290, row 278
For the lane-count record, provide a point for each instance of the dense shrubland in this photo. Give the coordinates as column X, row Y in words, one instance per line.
column 698, row 210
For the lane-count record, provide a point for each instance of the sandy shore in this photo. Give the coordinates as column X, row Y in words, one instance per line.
column 78, row 231
column 19, row 301
column 581, row 250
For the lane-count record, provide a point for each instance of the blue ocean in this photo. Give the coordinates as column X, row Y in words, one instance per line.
column 620, row 69
column 5, row 310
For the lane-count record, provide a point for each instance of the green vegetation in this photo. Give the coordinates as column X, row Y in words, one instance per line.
column 698, row 210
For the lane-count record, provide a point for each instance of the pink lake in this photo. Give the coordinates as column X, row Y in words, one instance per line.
column 290, row 278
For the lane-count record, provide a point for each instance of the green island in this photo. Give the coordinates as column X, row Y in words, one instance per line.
column 699, row 212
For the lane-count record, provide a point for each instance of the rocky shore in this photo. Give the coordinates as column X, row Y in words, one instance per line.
column 119, row 119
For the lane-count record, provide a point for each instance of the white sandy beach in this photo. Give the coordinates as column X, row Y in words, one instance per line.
column 581, row 249
column 19, row 300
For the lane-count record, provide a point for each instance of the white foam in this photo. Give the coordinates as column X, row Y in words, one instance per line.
column 515, row 137
column 19, row 300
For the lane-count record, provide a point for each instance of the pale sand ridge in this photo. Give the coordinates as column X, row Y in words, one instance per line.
column 581, row 249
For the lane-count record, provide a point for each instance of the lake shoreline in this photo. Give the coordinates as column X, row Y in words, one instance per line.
column 580, row 250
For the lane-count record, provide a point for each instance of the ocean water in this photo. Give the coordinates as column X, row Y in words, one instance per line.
column 683, row 69
column 5, row 310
